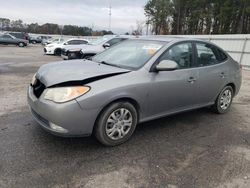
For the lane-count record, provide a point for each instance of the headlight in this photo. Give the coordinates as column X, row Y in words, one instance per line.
column 33, row 81
column 64, row 94
column 50, row 46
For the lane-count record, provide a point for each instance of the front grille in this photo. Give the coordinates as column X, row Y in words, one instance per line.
column 40, row 118
column 38, row 88
column 45, row 50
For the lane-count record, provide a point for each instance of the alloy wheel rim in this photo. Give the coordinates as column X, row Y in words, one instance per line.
column 225, row 99
column 119, row 124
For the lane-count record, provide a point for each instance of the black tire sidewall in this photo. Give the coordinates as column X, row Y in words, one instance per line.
column 57, row 52
column 100, row 131
column 217, row 104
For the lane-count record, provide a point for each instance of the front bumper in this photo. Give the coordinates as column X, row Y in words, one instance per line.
column 48, row 50
column 65, row 57
column 74, row 120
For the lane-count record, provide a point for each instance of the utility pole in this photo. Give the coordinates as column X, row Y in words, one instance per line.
column 110, row 13
column 147, row 24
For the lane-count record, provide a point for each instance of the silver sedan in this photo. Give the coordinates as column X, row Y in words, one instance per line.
column 135, row 81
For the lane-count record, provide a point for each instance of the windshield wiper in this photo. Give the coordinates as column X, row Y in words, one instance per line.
column 105, row 63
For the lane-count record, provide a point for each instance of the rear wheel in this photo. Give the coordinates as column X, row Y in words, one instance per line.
column 224, row 100
column 116, row 124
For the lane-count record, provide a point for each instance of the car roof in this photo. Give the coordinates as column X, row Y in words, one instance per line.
column 77, row 39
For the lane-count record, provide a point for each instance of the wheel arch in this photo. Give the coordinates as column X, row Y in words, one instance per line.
column 121, row 99
column 56, row 49
column 233, row 87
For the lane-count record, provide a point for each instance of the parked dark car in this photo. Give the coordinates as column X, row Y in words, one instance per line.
column 38, row 39
column 9, row 39
column 20, row 35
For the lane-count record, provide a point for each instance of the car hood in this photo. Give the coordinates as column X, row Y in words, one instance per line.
column 92, row 48
column 75, row 70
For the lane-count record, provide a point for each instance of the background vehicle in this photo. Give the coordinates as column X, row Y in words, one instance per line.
column 56, row 48
column 135, row 81
column 95, row 47
column 38, row 39
column 9, row 39
column 20, row 35
column 52, row 40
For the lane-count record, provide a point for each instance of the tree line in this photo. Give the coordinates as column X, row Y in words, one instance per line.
column 198, row 16
column 48, row 28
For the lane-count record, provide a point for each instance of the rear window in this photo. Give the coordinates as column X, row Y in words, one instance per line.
column 221, row 55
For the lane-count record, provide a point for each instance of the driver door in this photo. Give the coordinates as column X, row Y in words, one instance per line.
column 173, row 91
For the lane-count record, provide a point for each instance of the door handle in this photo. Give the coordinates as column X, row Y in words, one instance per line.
column 191, row 80
column 222, row 75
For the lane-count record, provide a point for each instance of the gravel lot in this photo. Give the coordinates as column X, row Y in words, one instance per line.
column 193, row 149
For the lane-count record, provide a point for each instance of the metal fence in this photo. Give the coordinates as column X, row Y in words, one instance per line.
column 238, row 45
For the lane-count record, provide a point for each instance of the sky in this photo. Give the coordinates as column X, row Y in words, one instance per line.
column 91, row 13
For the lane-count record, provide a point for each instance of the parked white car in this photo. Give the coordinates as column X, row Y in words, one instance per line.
column 56, row 48
column 52, row 40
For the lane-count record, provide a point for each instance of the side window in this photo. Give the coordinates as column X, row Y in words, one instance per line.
column 72, row 42
column 207, row 55
column 115, row 41
column 82, row 42
column 181, row 54
column 6, row 37
column 222, row 56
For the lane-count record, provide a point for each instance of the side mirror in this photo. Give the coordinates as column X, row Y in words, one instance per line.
column 106, row 45
column 65, row 43
column 167, row 65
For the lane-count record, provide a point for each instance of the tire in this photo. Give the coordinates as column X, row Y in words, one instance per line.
column 21, row 44
column 57, row 52
column 224, row 100
column 111, row 129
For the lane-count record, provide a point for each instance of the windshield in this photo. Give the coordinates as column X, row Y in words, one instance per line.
column 131, row 54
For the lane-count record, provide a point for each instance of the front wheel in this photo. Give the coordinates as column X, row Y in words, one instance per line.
column 21, row 44
column 224, row 100
column 116, row 124
column 57, row 52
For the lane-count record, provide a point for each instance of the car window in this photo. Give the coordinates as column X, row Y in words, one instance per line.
column 6, row 37
column 73, row 42
column 221, row 55
column 115, row 41
column 206, row 54
column 82, row 42
column 181, row 54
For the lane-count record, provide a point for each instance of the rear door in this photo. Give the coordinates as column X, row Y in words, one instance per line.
column 213, row 71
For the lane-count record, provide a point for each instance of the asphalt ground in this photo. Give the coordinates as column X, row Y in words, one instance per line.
column 192, row 149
